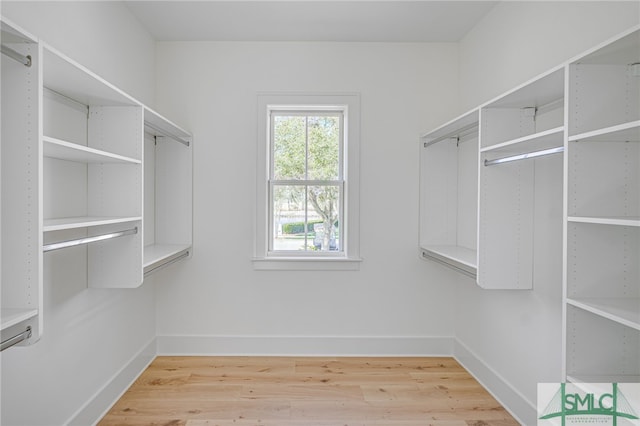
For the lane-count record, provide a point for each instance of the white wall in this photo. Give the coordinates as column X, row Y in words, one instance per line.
column 517, row 334
column 101, row 35
column 90, row 335
column 519, row 40
column 216, row 302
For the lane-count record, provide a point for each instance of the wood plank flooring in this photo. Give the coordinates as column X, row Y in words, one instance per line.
column 288, row 391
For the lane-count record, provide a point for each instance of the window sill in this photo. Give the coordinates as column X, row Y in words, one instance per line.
column 306, row 264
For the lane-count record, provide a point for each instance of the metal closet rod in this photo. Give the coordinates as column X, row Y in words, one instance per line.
column 167, row 263
column 15, row 339
column 87, row 240
column 24, row 60
column 524, row 156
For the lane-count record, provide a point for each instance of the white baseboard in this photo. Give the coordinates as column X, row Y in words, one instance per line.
column 521, row 408
column 98, row 405
column 306, row 346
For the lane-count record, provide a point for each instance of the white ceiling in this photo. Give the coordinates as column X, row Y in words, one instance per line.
column 309, row 20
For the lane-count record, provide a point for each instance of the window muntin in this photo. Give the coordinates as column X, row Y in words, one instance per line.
column 306, row 181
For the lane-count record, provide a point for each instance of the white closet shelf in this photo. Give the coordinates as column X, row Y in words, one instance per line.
column 13, row 35
column 547, row 139
column 541, row 91
column 625, row 132
column 458, row 127
column 157, row 125
column 63, row 150
column 624, row 51
column 460, row 258
column 11, row 317
column 623, row 311
column 618, row 221
column 60, row 224
column 154, row 253
column 68, row 78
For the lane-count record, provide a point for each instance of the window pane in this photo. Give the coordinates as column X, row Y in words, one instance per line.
column 289, row 218
column 306, row 218
column 324, row 208
column 324, row 147
column 289, row 147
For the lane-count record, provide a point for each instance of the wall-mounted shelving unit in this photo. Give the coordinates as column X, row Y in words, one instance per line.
column 130, row 182
column 79, row 180
column 558, row 198
column 602, row 274
column 168, row 191
column 519, row 194
column 93, row 168
column 448, row 194
column 481, row 200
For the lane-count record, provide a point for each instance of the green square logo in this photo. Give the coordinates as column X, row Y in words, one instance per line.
column 562, row 404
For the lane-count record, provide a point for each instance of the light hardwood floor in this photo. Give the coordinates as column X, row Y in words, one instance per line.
column 290, row 391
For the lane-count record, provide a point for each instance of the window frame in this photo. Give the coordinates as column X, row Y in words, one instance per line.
column 348, row 257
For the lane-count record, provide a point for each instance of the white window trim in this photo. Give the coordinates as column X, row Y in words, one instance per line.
column 349, row 258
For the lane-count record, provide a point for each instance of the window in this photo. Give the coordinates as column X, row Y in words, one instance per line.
column 308, row 152
column 306, row 183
